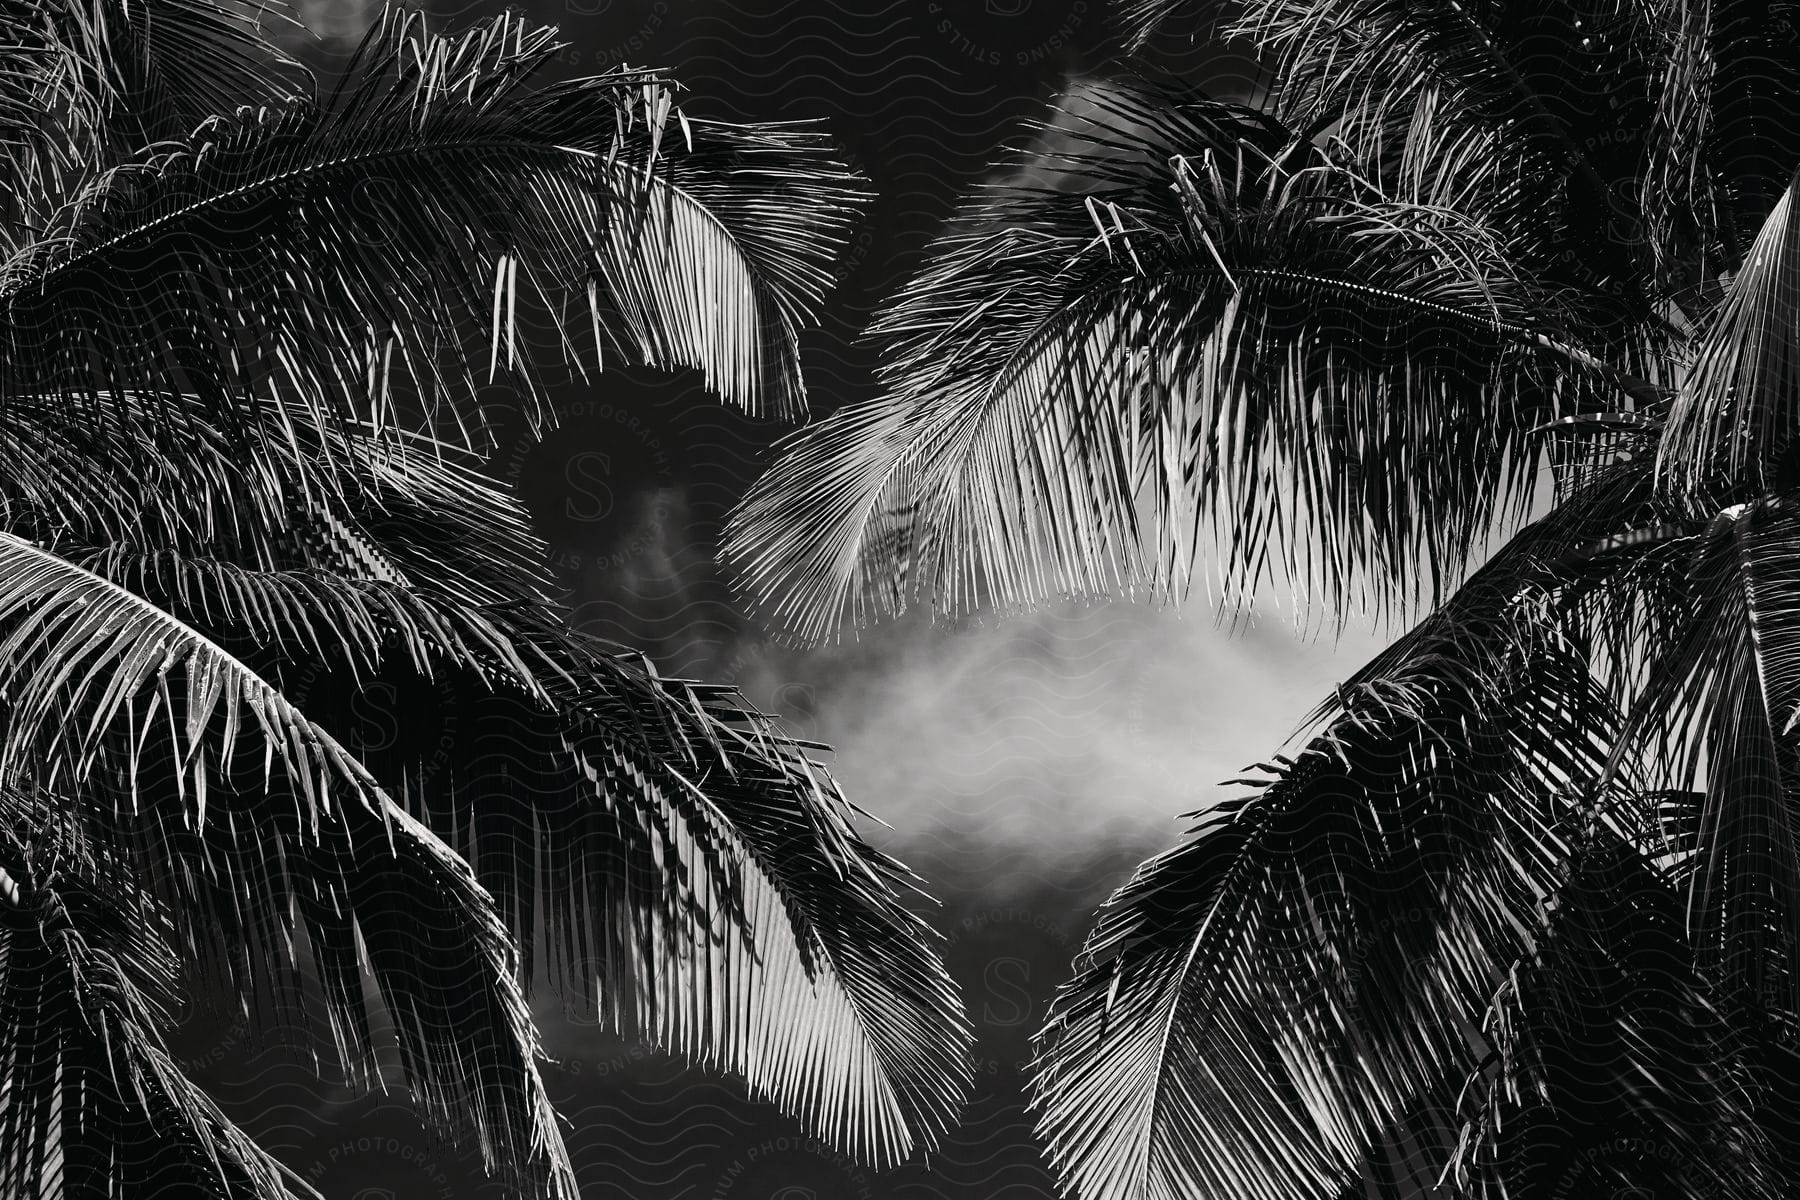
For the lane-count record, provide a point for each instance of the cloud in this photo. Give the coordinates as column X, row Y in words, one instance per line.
column 1013, row 751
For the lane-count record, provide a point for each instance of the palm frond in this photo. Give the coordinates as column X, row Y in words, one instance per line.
column 1202, row 319
column 91, row 1104
column 725, row 255
column 360, row 501
column 676, row 858
column 40, row 77
column 1560, row 95
column 1724, row 683
column 345, row 250
column 1730, row 430
column 1257, row 1006
column 830, row 997
column 92, row 83
column 1727, row 123
column 161, row 68
column 152, row 724
column 312, row 617
column 665, row 818
column 1268, row 1008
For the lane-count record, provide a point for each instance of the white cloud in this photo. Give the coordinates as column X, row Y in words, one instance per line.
column 1039, row 742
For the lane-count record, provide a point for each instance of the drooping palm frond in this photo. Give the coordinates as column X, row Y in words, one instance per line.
column 1636, row 147
column 724, row 256
column 829, row 997
column 1582, row 178
column 1259, row 1005
column 1560, row 99
column 1683, row 627
column 301, row 619
column 652, row 822
column 689, row 861
column 630, row 771
column 1200, row 320
column 380, row 504
column 1281, row 1005
column 218, row 346
column 338, row 247
column 91, row 1103
column 160, row 732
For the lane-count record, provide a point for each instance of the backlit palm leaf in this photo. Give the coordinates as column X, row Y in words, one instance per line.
column 340, row 247
column 1258, row 1006
column 219, row 347
column 1731, row 426
column 221, row 788
column 1548, row 212
column 1194, row 322
column 690, row 861
column 650, row 820
column 381, row 505
column 828, row 996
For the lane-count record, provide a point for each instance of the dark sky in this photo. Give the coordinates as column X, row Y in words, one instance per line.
column 1024, row 766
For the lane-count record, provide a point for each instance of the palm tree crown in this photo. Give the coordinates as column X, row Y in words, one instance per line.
column 249, row 327
column 1522, row 917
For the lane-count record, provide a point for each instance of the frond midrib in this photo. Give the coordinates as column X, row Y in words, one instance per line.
column 271, row 181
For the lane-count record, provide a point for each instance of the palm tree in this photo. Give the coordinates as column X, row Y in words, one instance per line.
column 1521, row 917
column 243, row 444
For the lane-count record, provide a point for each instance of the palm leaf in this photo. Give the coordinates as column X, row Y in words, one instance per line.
column 1257, row 1006
column 1557, row 98
column 761, row 873
column 91, row 1104
column 831, row 998
column 1264, row 1009
column 250, row 861
column 1205, row 321
column 360, row 501
column 413, row 208
column 1730, row 429
column 87, row 84
column 690, row 861
column 1722, row 683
